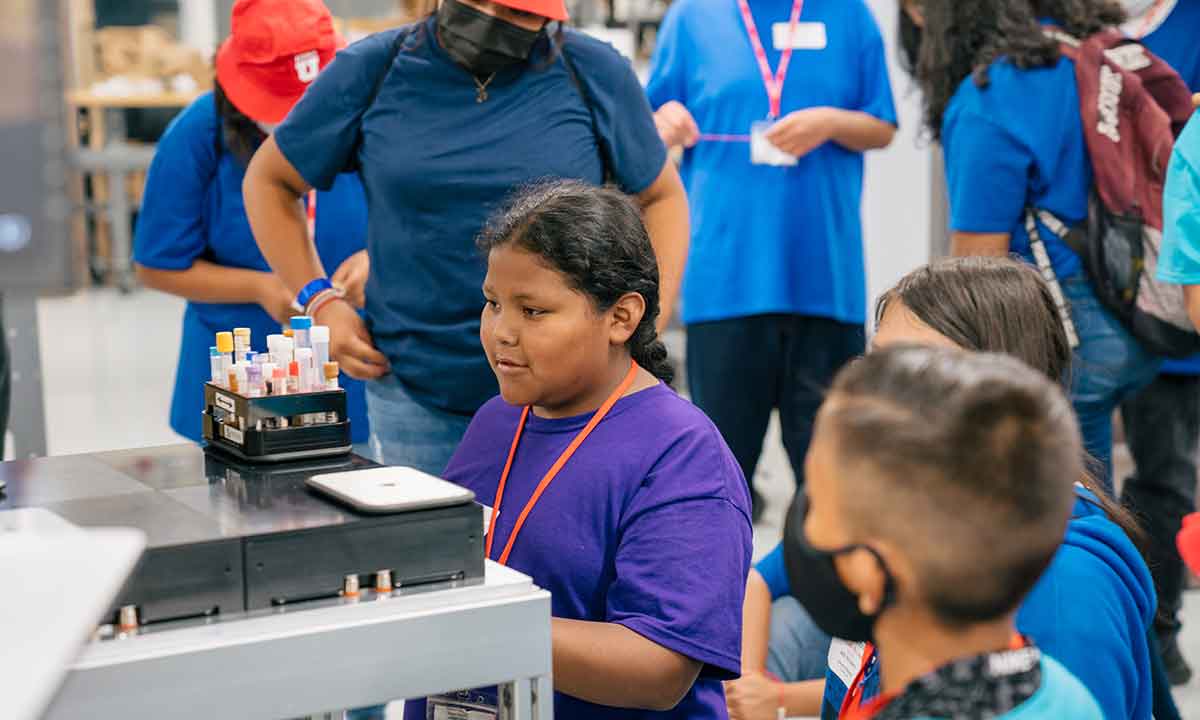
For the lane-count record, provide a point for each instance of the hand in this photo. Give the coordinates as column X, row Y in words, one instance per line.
column 676, row 126
column 803, row 131
column 1196, row 101
column 351, row 276
column 276, row 299
column 753, row 697
column 350, row 343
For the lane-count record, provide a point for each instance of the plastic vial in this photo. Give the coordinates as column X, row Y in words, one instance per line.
column 241, row 342
column 304, row 358
column 254, row 381
column 319, row 337
column 216, row 366
column 293, row 379
column 279, row 381
column 225, row 347
column 301, row 324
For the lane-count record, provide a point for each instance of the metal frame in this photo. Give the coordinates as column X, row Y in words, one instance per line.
column 327, row 655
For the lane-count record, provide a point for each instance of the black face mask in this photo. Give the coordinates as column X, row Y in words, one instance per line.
column 479, row 42
column 816, row 584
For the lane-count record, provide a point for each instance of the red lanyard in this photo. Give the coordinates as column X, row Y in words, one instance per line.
column 853, row 711
column 311, row 215
column 554, row 469
column 774, row 83
column 853, row 699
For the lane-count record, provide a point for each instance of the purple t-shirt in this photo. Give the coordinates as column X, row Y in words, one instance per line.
column 647, row 525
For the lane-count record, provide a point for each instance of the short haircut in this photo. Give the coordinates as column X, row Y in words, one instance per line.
column 964, row 460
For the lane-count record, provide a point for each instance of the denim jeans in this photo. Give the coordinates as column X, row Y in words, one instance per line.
column 405, row 432
column 797, row 649
column 1110, row 365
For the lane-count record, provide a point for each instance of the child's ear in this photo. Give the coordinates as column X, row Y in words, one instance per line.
column 626, row 314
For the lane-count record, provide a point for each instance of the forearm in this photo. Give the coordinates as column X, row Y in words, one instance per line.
column 207, row 282
column 987, row 244
column 858, row 131
column 756, row 624
column 1191, row 294
column 803, row 699
column 272, row 191
column 609, row 664
column 665, row 213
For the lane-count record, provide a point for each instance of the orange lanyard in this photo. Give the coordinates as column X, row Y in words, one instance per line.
column 310, row 215
column 853, row 699
column 854, row 712
column 554, row 469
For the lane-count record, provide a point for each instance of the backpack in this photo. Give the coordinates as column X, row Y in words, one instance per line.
column 1133, row 106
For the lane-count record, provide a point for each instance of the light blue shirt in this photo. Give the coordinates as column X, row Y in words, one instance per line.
column 1179, row 261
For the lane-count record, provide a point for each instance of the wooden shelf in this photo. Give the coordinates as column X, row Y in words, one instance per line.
column 86, row 98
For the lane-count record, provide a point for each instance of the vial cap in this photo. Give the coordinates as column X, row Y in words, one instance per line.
column 241, row 332
column 293, row 368
column 225, row 342
column 331, row 370
column 301, row 322
column 214, row 352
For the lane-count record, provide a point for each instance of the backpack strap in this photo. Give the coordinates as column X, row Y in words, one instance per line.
column 576, row 80
column 1042, row 259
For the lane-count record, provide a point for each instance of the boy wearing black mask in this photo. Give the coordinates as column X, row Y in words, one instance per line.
column 939, row 487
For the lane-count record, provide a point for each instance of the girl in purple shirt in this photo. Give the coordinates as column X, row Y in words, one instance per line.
column 643, row 538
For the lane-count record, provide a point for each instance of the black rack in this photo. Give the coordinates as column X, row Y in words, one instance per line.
column 276, row 428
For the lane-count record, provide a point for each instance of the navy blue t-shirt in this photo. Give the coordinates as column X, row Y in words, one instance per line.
column 435, row 163
column 1177, row 41
column 772, row 239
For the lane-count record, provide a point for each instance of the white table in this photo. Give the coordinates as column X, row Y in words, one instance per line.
column 326, row 655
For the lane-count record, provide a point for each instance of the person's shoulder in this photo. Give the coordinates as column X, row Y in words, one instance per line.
column 595, row 57
column 201, row 113
column 1187, row 147
column 377, row 44
column 1061, row 696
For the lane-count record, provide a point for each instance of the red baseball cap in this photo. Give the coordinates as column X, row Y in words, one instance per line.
column 552, row 9
column 274, row 50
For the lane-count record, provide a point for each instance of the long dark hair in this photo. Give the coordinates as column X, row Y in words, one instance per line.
column 963, row 38
column 1000, row 305
column 595, row 237
column 238, row 132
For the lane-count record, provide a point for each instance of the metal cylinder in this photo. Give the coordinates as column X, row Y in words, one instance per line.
column 350, row 586
column 383, row 581
column 127, row 618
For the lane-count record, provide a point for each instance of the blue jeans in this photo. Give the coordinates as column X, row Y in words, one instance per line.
column 797, row 650
column 1109, row 366
column 405, row 432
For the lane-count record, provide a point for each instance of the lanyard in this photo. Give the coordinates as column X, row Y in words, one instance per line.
column 310, row 215
column 554, row 469
column 855, row 712
column 774, row 83
column 853, row 699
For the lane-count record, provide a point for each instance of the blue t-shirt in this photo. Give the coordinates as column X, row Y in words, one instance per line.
column 435, row 163
column 1180, row 258
column 770, row 239
column 1175, row 41
column 655, row 536
column 774, row 573
column 1101, row 641
column 1002, row 156
column 192, row 210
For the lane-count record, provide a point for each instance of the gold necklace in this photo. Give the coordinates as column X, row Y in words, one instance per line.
column 481, row 93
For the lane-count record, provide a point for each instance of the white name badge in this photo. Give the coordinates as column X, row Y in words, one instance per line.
column 763, row 152
column 808, row 36
column 845, row 658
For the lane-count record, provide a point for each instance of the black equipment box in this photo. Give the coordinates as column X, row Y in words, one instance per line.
column 225, row 536
column 276, row 428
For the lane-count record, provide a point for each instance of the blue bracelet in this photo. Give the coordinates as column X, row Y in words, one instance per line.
column 309, row 291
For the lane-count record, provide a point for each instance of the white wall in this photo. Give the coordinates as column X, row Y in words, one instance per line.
column 896, row 200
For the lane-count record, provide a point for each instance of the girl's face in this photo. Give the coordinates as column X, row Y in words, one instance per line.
column 546, row 342
column 899, row 326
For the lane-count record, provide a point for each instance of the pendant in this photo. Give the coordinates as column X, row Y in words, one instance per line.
column 481, row 95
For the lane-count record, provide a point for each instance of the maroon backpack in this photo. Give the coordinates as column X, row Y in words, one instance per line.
column 1133, row 106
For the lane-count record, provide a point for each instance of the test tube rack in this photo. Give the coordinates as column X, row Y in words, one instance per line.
column 276, row 428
